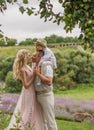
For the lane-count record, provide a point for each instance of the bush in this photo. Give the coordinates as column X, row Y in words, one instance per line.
column 74, row 67
column 5, row 66
column 12, row 85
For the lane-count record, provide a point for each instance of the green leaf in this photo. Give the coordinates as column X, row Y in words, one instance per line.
column 86, row 7
column 22, row 9
column 1, row 35
column 25, row 1
column 54, row 21
column 9, row 1
column 42, row 14
column 60, row 1
column 81, row 36
column 45, row 20
column 29, row 11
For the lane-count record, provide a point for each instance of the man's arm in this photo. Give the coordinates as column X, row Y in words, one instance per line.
column 48, row 77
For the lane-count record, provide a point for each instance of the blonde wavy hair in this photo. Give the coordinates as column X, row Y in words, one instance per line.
column 19, row 62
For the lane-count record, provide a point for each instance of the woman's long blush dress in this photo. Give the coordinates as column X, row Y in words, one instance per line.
column 28, row 107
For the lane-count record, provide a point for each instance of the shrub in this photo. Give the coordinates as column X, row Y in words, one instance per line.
column 5, row 66
column 74, row 67
column 12, row 85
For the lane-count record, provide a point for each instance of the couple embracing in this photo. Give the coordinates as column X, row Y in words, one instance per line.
column 36, row 102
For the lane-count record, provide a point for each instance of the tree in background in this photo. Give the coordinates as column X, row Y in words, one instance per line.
column 27, row 41
column 11, row 42
column 73, row 13
column 59, row 39
column 51, row 39
column 8, row 41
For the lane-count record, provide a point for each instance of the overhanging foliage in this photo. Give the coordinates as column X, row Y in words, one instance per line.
column 73, row 13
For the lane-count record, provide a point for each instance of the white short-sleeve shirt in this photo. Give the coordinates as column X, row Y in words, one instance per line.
column 40, row 86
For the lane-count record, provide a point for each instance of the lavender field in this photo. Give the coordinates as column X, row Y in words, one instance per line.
column 65, row 108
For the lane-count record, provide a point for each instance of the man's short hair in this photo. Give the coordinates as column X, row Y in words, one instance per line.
column 41, row 42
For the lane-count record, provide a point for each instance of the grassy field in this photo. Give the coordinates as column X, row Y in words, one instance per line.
column 11, row 51
column 67, row 125
column 62, row 125
column 83, row 91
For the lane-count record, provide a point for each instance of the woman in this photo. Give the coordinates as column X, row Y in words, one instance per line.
column 28, row 107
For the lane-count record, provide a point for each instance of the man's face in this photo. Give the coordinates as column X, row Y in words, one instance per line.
column 39, row 48
column 36, row 57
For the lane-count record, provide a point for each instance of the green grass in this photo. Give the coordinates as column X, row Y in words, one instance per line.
column 82, row 92
column 62, row 124
column 68, row 125
column 11, row 51
column 4, row 120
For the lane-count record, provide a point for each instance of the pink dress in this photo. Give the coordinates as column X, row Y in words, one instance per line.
column 30, row 110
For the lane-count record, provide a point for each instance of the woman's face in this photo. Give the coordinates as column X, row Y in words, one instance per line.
column 28, row 56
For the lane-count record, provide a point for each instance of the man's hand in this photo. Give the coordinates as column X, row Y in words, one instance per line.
column 37, row 70
column 44, row 79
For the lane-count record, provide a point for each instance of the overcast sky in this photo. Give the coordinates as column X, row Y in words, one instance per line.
column 16, row 25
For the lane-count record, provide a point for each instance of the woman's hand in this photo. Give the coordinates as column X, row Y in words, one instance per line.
column 34, row 73
column 37, row 70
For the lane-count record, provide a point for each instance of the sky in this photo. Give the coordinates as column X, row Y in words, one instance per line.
column 21, row 26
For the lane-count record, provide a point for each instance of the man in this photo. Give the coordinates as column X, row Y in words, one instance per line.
column 44, row 90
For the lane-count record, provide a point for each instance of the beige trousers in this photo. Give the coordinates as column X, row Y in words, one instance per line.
column 47, row 103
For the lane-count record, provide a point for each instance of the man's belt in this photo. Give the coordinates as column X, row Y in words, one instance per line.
column 43, row 92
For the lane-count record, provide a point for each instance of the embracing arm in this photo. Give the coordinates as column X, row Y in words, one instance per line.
column 24, row 80
column 47, row 79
